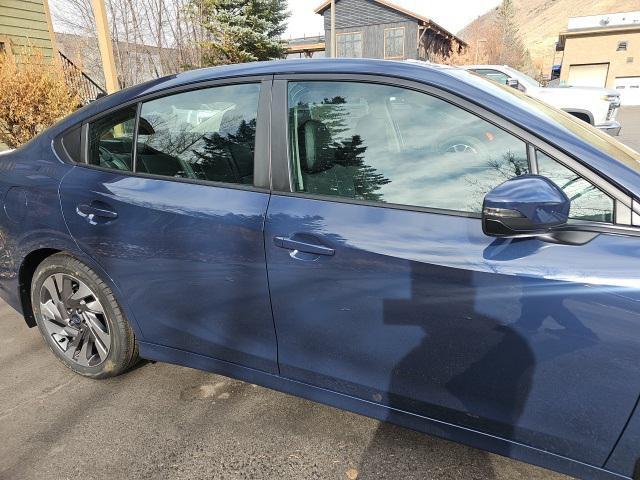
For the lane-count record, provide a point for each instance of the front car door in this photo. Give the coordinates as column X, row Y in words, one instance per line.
column 384, row 287
column 175, row 213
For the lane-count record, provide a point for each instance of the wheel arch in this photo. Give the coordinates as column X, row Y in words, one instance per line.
column 25, row 275
column 35, row 257
column 584, row 115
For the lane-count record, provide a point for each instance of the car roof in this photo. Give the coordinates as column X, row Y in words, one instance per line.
column 320, row 65
column 468, row 67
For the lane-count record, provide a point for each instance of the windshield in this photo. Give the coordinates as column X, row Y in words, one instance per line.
column 602, row 141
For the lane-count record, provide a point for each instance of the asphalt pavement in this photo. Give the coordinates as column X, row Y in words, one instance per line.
column 162, row 421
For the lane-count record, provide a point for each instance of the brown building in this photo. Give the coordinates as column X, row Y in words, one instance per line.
column 381, row 29
column 603, row 51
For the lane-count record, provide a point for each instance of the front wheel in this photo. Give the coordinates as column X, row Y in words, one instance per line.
column 80, row 320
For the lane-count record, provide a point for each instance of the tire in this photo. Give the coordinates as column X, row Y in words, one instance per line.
column 80, row 319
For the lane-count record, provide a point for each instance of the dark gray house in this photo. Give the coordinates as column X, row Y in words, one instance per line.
column 380, row 29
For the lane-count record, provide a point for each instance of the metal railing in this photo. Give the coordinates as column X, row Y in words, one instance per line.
column 86, row 87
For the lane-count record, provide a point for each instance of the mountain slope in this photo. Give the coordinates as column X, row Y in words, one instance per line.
column 540, row 22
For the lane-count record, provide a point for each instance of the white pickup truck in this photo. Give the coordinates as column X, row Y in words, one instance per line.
column 597, row 106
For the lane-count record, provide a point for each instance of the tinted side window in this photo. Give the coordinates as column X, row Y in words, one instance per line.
column 111, row 140
column 588, row 202
column 388, row 144
column 494, row 75
column 71, row 142
column 206, row 134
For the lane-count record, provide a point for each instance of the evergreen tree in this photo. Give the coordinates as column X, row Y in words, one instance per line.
column 241, row 30
column 508, row 44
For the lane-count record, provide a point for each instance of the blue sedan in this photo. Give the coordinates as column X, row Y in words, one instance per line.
column 411, row 243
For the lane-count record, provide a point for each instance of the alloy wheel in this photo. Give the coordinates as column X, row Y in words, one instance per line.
column 74, row 318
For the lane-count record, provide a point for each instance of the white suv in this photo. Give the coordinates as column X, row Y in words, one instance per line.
column 594, row 105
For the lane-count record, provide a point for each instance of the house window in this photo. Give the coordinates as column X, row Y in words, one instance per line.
column 349, row 44
column 394, row 42
column 622, row 46
column 5, row 46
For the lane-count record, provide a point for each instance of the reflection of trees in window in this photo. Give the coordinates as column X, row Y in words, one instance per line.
column 215, row 152
column 495, row 172
column 170, row 136
column 349, row 151
column 366, row 179
column 511, row 166
column 333, row 117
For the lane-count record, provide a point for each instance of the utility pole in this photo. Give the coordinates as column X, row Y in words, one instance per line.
column 334, row 47
column 106, row 48
column 478, row 42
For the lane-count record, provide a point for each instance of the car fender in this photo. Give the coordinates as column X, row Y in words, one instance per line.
column 62, row 244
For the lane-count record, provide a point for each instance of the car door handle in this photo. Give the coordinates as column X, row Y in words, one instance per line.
column 91, row 211
column 290, row 244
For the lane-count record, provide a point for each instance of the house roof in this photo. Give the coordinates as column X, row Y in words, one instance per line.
column 327, row 3
column 420, row 18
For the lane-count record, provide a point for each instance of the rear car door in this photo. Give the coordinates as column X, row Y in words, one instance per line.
column 174, row 214
column 385, row 288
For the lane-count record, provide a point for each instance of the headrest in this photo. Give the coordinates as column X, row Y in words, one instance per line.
column 315, row 146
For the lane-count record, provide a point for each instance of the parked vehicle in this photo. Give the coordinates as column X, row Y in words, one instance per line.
column 411, row 243
column 596, row 106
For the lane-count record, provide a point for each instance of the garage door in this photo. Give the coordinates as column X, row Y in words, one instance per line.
column 629, row 88
column 593, row 75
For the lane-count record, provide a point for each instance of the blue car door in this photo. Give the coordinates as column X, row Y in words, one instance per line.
column 176, row 218
column 384, row 287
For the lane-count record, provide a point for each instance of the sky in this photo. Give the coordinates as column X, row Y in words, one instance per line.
column 450, row 14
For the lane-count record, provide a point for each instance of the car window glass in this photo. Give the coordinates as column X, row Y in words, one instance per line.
column 111, row 140
column 72, row 143
column 588, row 202
column 494, row 75
column 388, row 144
column 206, row 134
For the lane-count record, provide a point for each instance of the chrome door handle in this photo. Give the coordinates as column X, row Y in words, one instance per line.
column 85, row 209
column 291, row 244
column 96, row 215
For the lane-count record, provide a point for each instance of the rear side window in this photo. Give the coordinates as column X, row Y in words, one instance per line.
column 71, row 142
column 111, row 140
column 388, row 144
column 206, row 134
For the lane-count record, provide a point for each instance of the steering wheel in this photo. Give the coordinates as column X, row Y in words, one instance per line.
column 466, row 145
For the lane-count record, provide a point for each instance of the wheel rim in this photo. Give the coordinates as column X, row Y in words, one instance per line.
column 461, row 148
column 75, row 320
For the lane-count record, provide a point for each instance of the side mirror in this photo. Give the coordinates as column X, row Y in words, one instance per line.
column 144, row 127
column 513, row 83
column 524, row 206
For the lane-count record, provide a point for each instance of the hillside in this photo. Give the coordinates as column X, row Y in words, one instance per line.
column 541, row 20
